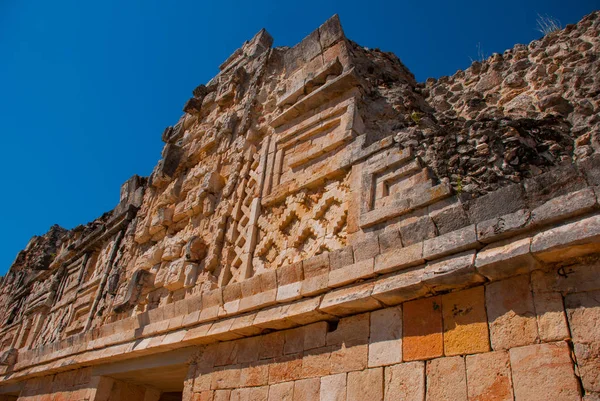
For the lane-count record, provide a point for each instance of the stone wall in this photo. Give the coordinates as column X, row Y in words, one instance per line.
column 322, row 226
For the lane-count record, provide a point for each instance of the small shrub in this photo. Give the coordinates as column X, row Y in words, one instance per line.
column 547, row 24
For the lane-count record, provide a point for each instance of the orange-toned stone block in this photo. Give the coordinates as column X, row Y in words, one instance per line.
column 465, row 322
column 285, row 369
column 488, row 377
column 422, row 325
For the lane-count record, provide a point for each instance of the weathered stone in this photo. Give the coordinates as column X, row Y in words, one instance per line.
column 489, row 377
column 405, row 381
column 465, row 322
column 568, row 241
column 452, row 242
column 583, row 310
column 543, row 372
column 511, row 313
column 457, row 271
column 506, row 259
column 447, row 379
column 385, row 341
column 333, row 388
column 307, row 389
column 365, row 385
column 422, row 329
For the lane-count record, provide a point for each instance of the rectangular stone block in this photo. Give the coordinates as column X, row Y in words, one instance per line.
column 451, row 273
column 511, row 313
column 504, row 226
column 281, row 392
column 349, row 300
column 544, row 372
column 316, row 362
column 452, row 242
column 333, row 387
column 345, row 275
column 389, row 240
column 348, row 358
column 369, row 248
column 568, row 241
column 399, row 258
column 465, row 322
column 286, row 368
column 385, row 341
column 365, row 385
column 550, row 315
column 405, row 381
column 422, row 336
column 447, row 379
column 564, row 207
column 341, row 257
column 307, row 389
column 489, row 377
column 400, row 287
column 506, row 259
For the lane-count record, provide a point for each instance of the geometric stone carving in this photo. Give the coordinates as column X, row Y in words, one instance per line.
column 394, row 183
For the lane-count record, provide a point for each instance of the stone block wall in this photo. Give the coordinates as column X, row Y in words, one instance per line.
column 526, row 338
column 323, row 227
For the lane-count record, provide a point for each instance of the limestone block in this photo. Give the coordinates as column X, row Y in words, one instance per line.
column 489, row 376
column 543, row 372
column 349, row 300
column 294, row 341
column 369, row 248
column 333, row 387
column 281, row 391
column 405, row 381
column 365, row 385
column 465, row 322
column 350, row 330
column 345, row 275
column 422, row 329
column 271, row 345
column 506, row 258
column 447, row 379
column 254, row 374
column 568, row 241
column 511, row 313
column 348, row 358
column 250, row 394
column 452, row 272
column 399, row 258
column 584, row 276
column 550, row 313
column 285, row 368
column 385, row 341
column 315, row 335
column 341, row 257
column 307, row 389
column 583, row 310
column 452, row 242
column 507, row 225
column 317, row 362
column 400, row 287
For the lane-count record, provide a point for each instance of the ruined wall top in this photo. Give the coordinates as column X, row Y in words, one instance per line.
column 294, row 162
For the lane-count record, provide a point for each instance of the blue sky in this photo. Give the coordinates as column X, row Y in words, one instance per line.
column 87, row 87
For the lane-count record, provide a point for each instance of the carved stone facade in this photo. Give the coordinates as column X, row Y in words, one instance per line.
column 322, row 226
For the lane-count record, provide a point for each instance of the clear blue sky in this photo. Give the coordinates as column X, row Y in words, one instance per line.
column 87, row 87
